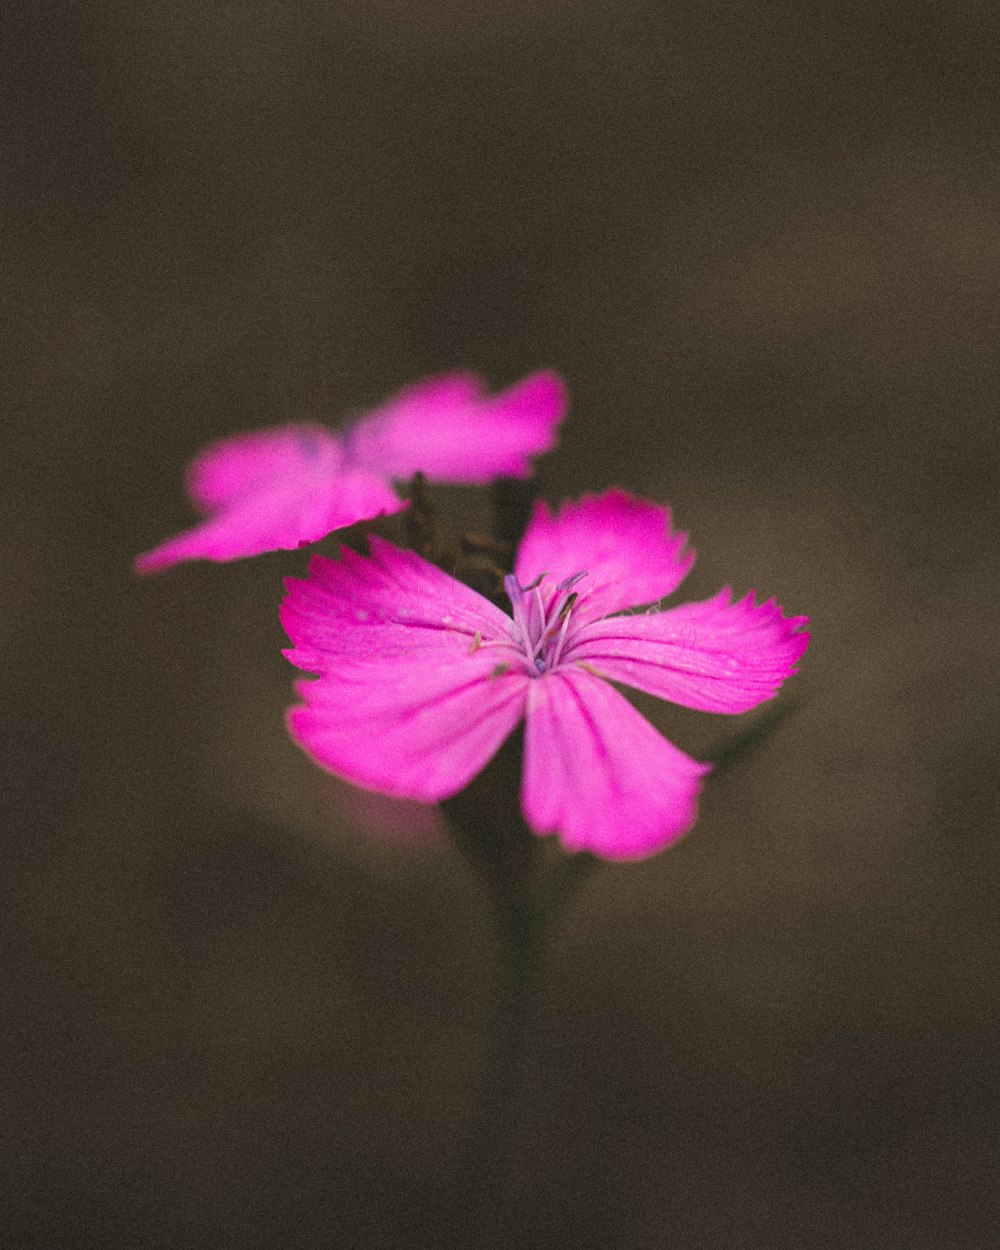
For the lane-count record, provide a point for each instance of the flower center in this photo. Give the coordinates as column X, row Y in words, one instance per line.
column 542, row 620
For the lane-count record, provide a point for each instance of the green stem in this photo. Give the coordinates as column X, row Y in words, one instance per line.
column 522, row 919
column 519, row 952
column 728, row 753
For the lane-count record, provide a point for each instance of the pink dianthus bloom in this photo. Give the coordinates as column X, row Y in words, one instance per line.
column 285, row 487
column 421, row 679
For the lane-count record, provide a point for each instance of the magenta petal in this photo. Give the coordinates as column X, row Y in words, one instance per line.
column 419, row 681
column 233, row 469
column 449, row 429
column 715, row 656
column 417, row 728
column 625, row 546
column 393, row 606
column 599, row 775
column 269, row 491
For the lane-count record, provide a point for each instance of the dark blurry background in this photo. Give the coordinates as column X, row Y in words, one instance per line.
column 761, row 242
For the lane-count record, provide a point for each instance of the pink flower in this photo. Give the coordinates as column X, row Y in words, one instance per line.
column 420, row 678
column 285, row 487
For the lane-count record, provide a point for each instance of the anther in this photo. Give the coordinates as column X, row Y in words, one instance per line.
column 567, row 607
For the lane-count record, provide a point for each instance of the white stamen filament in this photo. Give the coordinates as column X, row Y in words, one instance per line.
column 542, row 632
column 541, row 623
column 515, row 594
column 557, row 649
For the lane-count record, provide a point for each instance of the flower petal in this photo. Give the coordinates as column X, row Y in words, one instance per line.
column 625, row 545
column 272, row 490
column 716, row 656
column 448, row 428
column 393, row 606
column 420, row 681
column 417, row 728
column 231, row 469
column 599, row 775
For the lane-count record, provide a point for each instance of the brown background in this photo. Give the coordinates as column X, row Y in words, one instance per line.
column 761, row 242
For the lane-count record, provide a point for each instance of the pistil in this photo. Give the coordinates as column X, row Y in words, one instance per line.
column 542, row 632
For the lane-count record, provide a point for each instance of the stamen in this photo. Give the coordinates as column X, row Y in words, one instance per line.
column 539, row 630
column 515, row 594
column 564, row 617
column 477, row 642
column 542, row 630
column 567, row 607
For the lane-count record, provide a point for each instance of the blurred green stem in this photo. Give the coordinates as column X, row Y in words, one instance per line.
column 523, row 916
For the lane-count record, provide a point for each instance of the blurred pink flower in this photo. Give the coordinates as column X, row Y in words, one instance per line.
column 292, row 485
column 421, row 679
